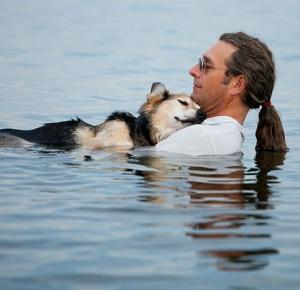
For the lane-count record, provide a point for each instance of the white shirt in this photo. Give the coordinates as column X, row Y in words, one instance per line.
column 221, row 135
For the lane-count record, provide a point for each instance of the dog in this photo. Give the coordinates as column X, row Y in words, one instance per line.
column 162, row 114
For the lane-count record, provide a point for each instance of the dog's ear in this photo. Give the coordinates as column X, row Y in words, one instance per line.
column 158, row 88
column 158, row 92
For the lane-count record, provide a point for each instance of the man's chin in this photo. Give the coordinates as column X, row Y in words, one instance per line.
column 196, row 99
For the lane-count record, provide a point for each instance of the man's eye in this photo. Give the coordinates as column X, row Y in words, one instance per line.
column 183, row 102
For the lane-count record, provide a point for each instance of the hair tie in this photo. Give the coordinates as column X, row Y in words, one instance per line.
column 266, row 104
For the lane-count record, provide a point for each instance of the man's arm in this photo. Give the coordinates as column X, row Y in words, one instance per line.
column 192, row 140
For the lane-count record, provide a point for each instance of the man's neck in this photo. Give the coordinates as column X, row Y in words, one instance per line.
column 238, row 113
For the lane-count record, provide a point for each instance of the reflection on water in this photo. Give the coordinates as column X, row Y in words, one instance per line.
column 235, row 189
column 224, row 183
column 138, row 213
column 232, row 186
column 242, row 260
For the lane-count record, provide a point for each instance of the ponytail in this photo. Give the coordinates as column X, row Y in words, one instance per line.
column 269, row 133
column 254, row 60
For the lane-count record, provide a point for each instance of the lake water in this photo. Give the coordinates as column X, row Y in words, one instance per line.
column 139, row 220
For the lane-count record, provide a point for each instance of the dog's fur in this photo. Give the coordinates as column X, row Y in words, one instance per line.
column 162, row 114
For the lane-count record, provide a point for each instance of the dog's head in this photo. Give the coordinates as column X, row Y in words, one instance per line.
column 168, row 112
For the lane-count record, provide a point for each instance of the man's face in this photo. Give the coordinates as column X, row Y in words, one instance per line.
column 209, row 90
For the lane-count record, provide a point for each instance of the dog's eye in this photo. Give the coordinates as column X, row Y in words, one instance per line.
column 183, row 102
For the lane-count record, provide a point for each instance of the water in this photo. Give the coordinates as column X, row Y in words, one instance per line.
column 139, row 220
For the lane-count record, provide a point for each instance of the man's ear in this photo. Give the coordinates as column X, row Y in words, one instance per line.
column 238, row 85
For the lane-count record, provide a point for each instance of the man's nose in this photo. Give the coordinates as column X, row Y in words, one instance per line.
column 195, row 71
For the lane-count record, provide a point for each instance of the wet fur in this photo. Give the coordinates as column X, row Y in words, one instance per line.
column 121, row 129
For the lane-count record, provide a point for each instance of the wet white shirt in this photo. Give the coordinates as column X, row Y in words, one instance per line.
column 221, row 135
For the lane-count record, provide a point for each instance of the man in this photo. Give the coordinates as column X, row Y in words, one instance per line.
column 235, row 75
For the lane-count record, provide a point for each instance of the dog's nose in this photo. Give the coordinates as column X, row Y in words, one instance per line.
column 200, row 116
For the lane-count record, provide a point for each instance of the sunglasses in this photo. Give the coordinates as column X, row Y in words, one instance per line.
column 203, row 66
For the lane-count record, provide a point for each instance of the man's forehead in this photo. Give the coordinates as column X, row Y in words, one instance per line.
column 219, row 52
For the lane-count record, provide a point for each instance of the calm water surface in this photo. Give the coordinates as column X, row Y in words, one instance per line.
column 137, row 219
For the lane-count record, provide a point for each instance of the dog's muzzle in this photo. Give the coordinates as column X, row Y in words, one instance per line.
column 200, row 116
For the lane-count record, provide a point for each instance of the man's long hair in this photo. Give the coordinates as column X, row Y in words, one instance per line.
column 254, row 60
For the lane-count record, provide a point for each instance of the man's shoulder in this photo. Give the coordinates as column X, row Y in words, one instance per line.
column 219, row 123
column 217, row 135
column 222, row 124
column 221, row 120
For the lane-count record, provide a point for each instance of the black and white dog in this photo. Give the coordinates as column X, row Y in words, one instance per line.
column 162, row 114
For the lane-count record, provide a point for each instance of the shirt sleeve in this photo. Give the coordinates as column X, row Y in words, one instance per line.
column 193, row 140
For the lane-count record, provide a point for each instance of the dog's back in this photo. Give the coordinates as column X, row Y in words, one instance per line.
column 59, row 134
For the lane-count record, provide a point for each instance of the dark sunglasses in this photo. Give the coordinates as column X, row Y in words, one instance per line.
column 202, row 64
